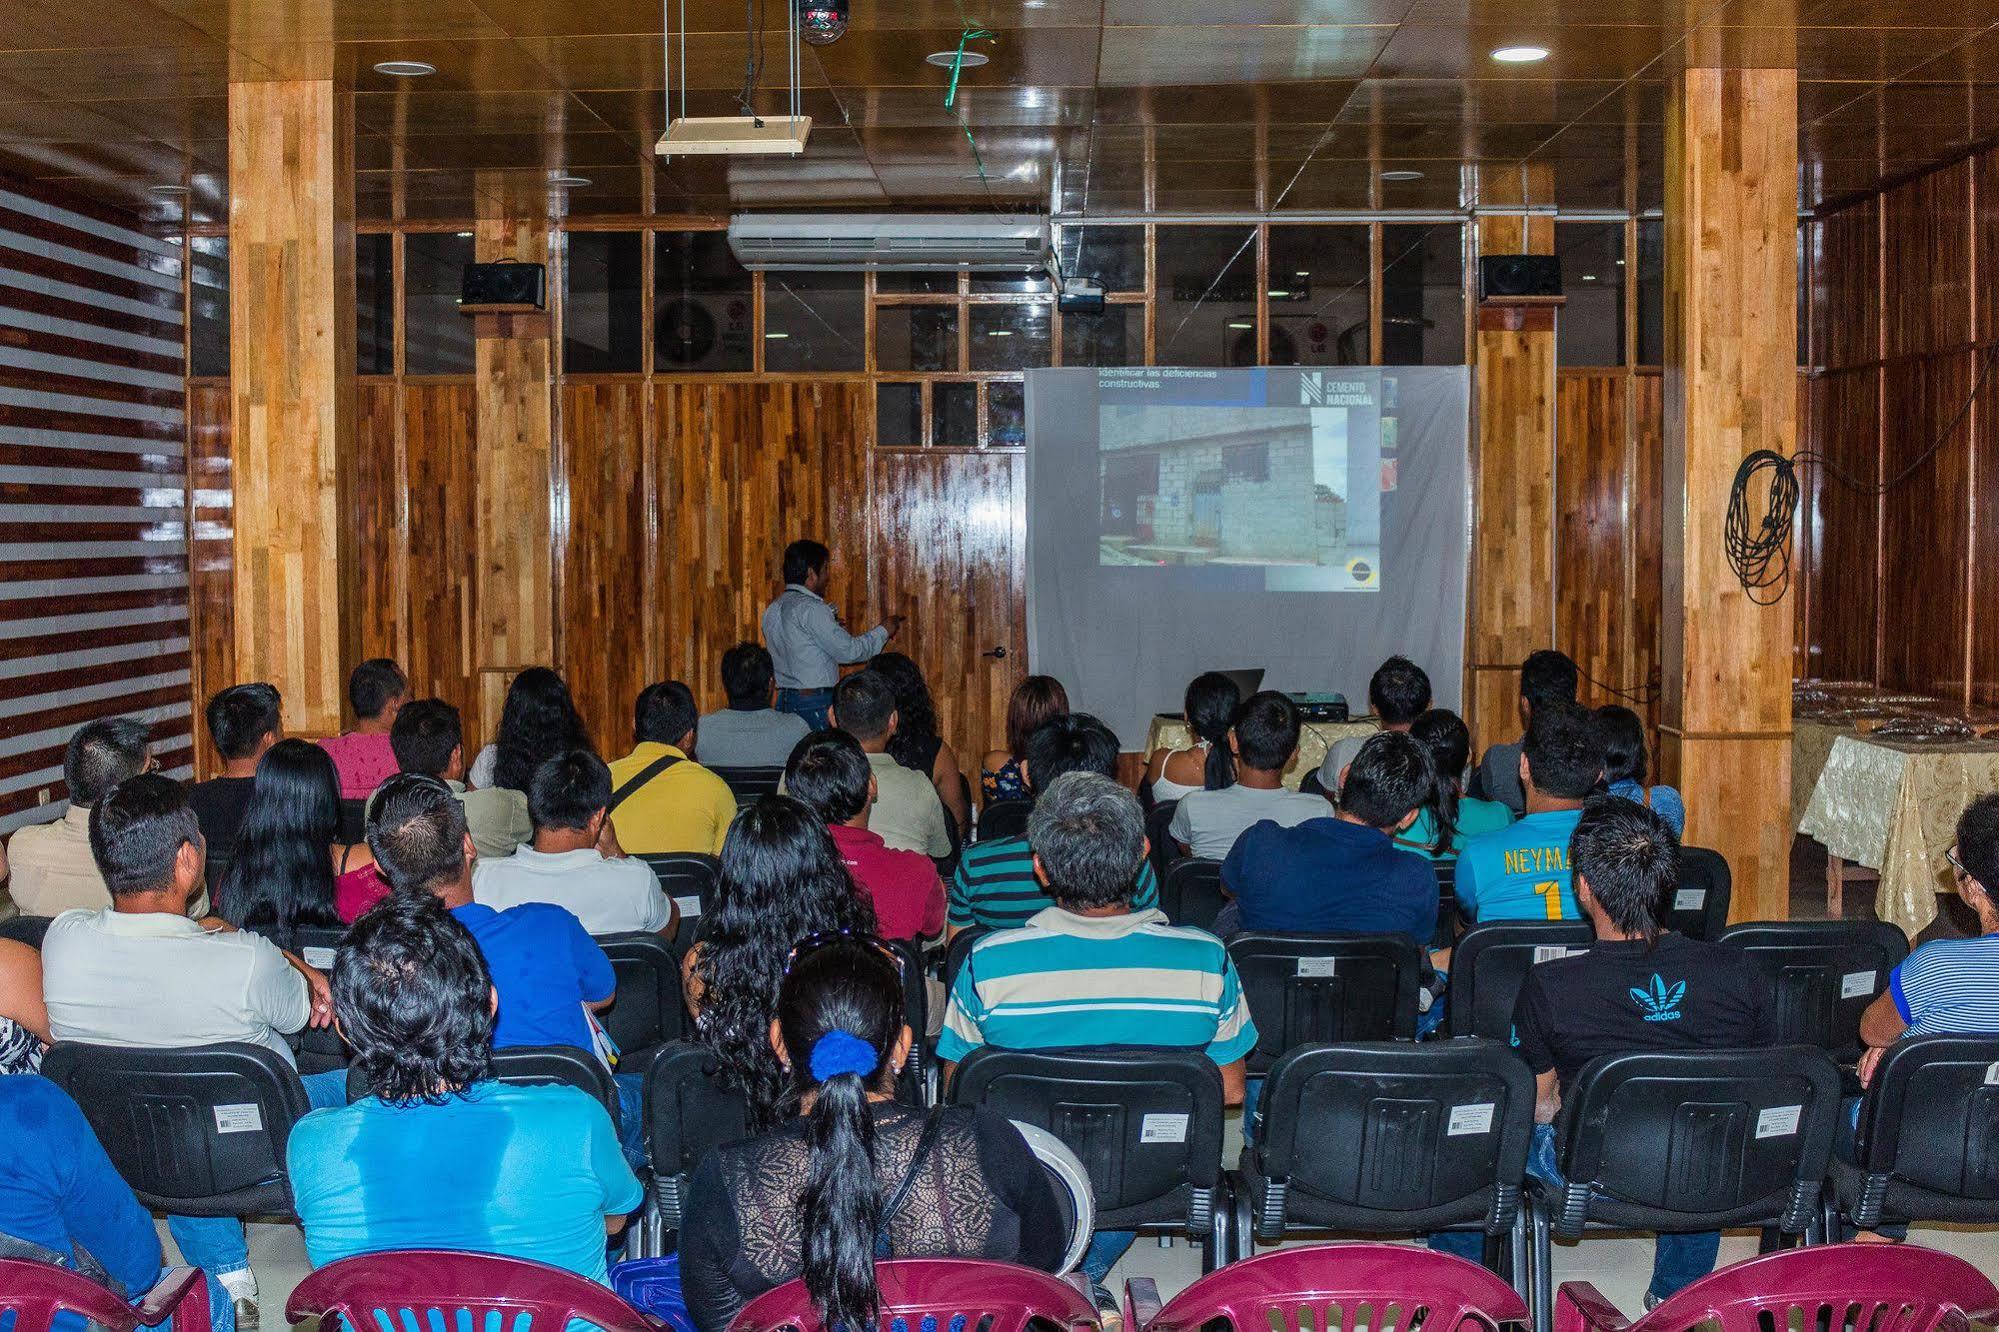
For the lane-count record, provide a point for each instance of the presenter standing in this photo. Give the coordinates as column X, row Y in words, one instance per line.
column 807, row 643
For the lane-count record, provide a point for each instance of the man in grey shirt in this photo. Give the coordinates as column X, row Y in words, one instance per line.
column 1264, row 738
column 807, row 643
column 1399, row 693
column 1547, row 676
column 749, row 733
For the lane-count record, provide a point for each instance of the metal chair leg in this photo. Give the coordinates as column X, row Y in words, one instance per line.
column 1517, row 1244
column 1244, row 1223
column 1542, row 1305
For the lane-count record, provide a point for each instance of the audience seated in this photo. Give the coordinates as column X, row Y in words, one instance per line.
column 916, row 744
column 1449, row 817
column 24, row 1018
column 782, row 881
column 1342, row 874
column 1264, row 740
column 821, row 1196
column 830, row 775
column 808, row 644
column 749, row 733
column 1521, row 872
column 244, row 721
column 1209, row 765
column 1398, row 692
column 661, row 800
column 140, row 973
column 995, row 884
column 52, row 868
column 1037, row 700
column 438, row 1155
column 1639, row 987
column 429, row 739
column 289, row 872
column 1090, row 970
column 1621, row 736
column 1547, row 676
column 364, row 756
column 538, row 720
column 907, row 814
column 567, row 864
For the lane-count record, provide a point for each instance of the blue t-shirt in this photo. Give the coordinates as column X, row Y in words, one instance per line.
column 1474, row 817
column 525, row 1172
column 1327, row 875
column 1665, row 802
column 1521, row 871
column 545, row 967
column 1949, row 986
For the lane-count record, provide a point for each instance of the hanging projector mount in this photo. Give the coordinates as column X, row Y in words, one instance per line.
column 747, row 134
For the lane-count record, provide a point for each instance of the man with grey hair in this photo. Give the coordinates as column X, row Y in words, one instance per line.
column 1089, row 970
column 52, row 868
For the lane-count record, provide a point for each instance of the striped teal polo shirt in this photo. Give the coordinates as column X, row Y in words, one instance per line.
column 995, row 886
column 1064, row 981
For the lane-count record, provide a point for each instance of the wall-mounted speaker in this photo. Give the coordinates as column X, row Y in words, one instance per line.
column 1506, row 277
column 508, row 286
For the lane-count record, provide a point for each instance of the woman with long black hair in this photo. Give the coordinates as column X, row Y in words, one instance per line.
column 1209, row 765
column 1449, row 816
column 538, row 721
column 290, row 870
column 916, row 745
column 855, row 1177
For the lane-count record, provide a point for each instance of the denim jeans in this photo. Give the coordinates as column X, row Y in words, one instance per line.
column 632, row 1118
column 1106, row 1247
column 811, row 704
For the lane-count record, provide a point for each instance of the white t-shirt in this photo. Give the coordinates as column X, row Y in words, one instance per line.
column 163, row 982
column 1208, row 822
column 610, row 896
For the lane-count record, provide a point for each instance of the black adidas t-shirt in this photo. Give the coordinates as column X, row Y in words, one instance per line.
column 1624, row 997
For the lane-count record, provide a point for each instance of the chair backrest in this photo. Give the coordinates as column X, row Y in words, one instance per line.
column 197, row 1132
column 320, row 1049
column 1826, row 973
column 1325, row 1285
column 1190, row 892
column 1490, row 964
column 1901, row 1286
column 1004, row 818
column 1931, row 1123
column 940, row 1293
column 353, row 820
column 687, row 874
column 33, row 1293
column 26, row 929
column 750, row 782
column 537, row 1065
column 1163, row 852
column 688, row 1113
column 916, row 1012
column 1438, row 1132
column 649, row 1010
column 1315, row 989
column 959, row 949
column 1698, row 907
column 1146, row 1124
column 439, row 1288
column 1446, row 931
column 1698, row 1139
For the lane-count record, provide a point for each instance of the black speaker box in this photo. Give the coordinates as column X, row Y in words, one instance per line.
column 506, row 284
column 1512, row 276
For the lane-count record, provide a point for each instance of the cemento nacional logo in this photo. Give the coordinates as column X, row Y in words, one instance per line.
column 1315, row 390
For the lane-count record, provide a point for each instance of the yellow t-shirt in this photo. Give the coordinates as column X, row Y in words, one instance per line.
column 685, row 808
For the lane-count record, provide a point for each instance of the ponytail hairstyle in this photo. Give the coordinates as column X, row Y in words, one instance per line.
column 1444, row 734
column 840, row 1013
column 1211, row 705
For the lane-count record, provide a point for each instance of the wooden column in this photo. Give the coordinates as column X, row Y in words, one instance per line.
column 1731, row 372
column 291, row 349
column 1512, row 592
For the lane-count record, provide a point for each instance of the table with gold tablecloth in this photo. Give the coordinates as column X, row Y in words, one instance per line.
column 1314, row 739
column 1892, row 806
column 1811, row 746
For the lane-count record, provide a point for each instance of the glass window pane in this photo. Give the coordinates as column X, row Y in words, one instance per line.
column 1207, row 296
column 1651, row 291
column 1115, row 337
column 813, row 322
column 916, row 337
column 375, row 303
column 1422, row 295
column 208, row 330
column 941, row 282
column 704, row 304
column 1011, row 284
column 1010, row 337
column 1589, row 328
column 1006, row 414
column 899, row 415
column 1114, row 256
column 1318, row 295
column 954, row 415
column 437, row 340
column 601, row 316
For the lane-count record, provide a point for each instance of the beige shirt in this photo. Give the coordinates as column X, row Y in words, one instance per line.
column 907, row 815
column 53, row 870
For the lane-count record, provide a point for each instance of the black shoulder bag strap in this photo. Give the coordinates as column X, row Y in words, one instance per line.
column 931, row 1124
column 640, row 778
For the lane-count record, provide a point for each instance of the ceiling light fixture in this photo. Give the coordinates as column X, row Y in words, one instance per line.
column 1303, row 272
column 1589, row 277
column 563, row 181
column 999, row 332
column 1620, row 263
column 1279, row 294
column 464, row 235
column 776, row 337
column 1401, row 174
column 167, row 191
column 1520, row 55
column 1242, row 324
column 405, row 69
column 945, row 59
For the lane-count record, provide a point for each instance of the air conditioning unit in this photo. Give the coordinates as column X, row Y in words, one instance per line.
column 882, row 241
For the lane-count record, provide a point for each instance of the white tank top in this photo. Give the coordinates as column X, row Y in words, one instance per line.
column 1165, row 788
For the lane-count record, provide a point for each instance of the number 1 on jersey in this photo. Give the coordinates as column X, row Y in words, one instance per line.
column 1550, row 891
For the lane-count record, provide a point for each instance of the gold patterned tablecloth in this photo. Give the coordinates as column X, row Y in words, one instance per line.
column 1314, row 739
column 1893, row 806
column 1811, row 746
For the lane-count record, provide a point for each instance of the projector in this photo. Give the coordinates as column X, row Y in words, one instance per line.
column 1321, row 707
column 1080, row 296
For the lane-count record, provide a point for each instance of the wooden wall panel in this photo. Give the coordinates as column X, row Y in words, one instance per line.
column 1925, row 528
column 1592, row 599
column 1927, row 270
column 1846, row 419
column 607, row 555
column 1645, row 519
column 375, row 623
column 1846, row 289
column 211, row 572
column 1983, row 608
column 438, row 433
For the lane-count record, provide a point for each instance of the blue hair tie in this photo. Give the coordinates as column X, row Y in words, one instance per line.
column 840, row 1052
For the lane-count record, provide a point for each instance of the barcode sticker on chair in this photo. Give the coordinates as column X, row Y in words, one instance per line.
column 320, row 958
column 245, row 1117
column 1467, row 1119
column 1316, row 966
column 1856, row 984
column 689, row 906
column 1554, row 953
column 1779, row 1121
column 1992, row 1074
column 1163, row 1128
column 1690, row 899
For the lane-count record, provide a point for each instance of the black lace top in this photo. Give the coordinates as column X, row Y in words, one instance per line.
column 979, row 1194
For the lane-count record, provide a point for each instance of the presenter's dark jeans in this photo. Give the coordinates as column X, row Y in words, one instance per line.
column 811, row 704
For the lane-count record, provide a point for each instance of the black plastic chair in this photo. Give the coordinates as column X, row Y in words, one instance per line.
column 1432, row 1137
column 1490, row 964
column 353, row 821
column 959, row 949
column 1310, row 784
column 534, row 1066
column 1699, row 905
column 649, row 1011
column 911, row 1088
column 195, row 1132
column 1164, row 850
column 1146, row 1124
column 688, row 1113
column 1190, row 892
column 1688, row 1140
column 687, row 874
column 1826, row 973
column 1446, row 930
column 750, row 782
column 1929, row 1137
column 320, row 1049
column 26, row 929
column 1004, row 818
column 1318, row 989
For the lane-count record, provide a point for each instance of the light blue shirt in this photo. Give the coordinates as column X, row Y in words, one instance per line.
column 1521, row 871
column 807, row 644
column 1665, row 802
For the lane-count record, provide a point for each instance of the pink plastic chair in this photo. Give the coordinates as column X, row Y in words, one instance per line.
column 463, row 1290
column 915, row 1291
column 35, row 1292
column 1909, row 1288
column 1295, row 1289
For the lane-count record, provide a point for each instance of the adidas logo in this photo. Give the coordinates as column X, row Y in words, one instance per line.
column 1661, row 1002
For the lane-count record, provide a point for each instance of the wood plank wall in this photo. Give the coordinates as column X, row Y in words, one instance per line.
column 94, row 557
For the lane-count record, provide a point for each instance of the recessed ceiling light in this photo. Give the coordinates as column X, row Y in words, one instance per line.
column 405, row 69
column 1402, row 174
column 1520, row 55
column 167, row 191
column 1279, row 294
column 563, row 181
column 946, row 59
column 1242, row 324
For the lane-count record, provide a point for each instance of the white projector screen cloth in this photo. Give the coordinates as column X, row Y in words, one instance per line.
column 1181, row 521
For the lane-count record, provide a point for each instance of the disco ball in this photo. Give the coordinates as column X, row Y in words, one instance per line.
column 822, row 22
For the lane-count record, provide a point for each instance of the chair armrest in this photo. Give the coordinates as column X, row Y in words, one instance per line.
column 1141, row 1303
column 1581, row 1307
column 176, row 1286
